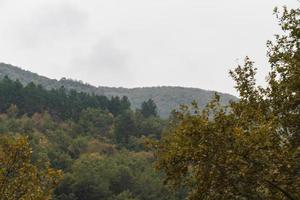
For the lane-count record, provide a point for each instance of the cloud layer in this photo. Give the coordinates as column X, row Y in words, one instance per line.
column 138, row 42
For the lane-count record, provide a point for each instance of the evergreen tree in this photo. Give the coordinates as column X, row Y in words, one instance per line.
column 125, row 127
column 149, row 108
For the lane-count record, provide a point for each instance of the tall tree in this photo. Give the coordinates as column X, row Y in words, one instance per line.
column 250, row 149
column 149, row 108
column 125, row 127
column 284, row 80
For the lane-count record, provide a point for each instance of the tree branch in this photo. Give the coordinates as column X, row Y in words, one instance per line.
column 280, row 189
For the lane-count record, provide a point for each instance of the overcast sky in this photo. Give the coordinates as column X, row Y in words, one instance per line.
column 137, row 43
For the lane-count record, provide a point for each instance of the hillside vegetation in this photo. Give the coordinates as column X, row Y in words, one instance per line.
column 64, row 144
column 73, row 145
column 166, row 98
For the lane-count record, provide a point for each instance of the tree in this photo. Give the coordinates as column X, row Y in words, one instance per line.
column 149, row 108
column 125, row 103
column 249, row 149
column 95, row 121
column 117, row 106
column 89, row 179
column 152, row 126
column 284, row 81
column 19, row 178
column 125, row 127
column 126, row 176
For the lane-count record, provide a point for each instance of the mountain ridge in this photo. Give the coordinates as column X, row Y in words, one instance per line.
column 167, row 98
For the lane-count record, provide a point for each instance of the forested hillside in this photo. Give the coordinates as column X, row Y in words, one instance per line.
column 166, row 98
column 79, row 146
column 66, row 140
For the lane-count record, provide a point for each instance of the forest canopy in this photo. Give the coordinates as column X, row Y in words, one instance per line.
column 69, row 145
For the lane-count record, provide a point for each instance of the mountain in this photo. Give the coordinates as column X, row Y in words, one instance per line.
column 166, row 98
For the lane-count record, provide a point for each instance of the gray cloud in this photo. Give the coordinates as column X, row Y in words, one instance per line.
column 103, row 61
column 65, row 18
column 51, row 23
column 106, row 55
column 143, row 43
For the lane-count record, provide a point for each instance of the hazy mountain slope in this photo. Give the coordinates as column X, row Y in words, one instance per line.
column 166, row 98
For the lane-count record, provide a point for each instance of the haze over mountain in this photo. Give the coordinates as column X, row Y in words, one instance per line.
column 166, row 97
column 139, row 43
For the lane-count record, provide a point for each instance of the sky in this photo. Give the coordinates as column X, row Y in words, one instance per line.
column 139, row 43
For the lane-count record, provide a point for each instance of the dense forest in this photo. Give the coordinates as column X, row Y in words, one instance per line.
column 166, row 98
column 58, row 102
column 97, row 142
column 65, row 144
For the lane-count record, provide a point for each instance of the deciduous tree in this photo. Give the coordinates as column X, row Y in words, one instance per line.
column 249, row 149
column 19, row 178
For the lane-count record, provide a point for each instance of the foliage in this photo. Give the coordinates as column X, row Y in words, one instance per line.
column 125, row 175
column 60, row 102
column 95, row 121
column 166, row 98
column 125, row 127
column 126, row 195
column 249, row 149
column 87, row 152
column 19, row 178
column 284, row 81
column 149, row 108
